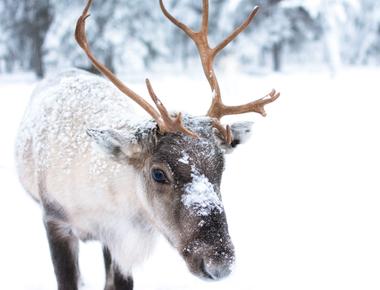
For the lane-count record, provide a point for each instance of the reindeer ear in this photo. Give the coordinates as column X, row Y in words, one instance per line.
column 241, row 132
column 120, row 147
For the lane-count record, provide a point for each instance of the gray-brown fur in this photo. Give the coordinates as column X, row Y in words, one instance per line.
column 64, row 254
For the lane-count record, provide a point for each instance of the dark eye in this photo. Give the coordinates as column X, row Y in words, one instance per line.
column 159, row 176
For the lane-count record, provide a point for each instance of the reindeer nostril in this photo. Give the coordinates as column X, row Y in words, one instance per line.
column 204, row 270
column 215, row 271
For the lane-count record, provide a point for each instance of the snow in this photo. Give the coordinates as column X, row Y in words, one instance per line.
column 302, row 196
column 184, row 158
column 200, row 195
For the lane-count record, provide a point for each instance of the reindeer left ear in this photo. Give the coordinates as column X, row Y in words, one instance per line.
column 118, row 146
column 241, row 132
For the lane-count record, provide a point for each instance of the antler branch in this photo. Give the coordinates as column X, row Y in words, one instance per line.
column 200, row 39
column 218, row 110
column 207, row 55
column 165, row 122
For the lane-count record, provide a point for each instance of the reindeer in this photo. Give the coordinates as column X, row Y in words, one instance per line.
column 101, row 173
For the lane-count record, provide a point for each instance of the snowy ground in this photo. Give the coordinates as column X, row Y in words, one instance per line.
column 302, row 197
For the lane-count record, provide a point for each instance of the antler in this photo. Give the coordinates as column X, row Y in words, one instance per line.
column 207, row 54
column 165, row 122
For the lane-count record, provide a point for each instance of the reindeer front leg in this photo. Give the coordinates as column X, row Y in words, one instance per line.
column 64, row 254
column 114, row 279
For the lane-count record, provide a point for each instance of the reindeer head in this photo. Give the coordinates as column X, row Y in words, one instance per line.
column 181, row 159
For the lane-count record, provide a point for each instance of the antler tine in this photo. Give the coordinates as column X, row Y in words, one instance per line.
column 237, row 31
column 255, row 106
column 176, row 22
column 169, row 124
column 165, row 122
column 226, row 132
column 204, row 25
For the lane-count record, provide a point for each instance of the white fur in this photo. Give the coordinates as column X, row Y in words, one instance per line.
column 56, row 162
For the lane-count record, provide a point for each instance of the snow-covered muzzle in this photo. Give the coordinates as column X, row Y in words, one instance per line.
column 209, row 253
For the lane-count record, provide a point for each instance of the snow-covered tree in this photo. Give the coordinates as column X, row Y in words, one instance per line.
column 133, row 35
column 277, row 27
column 121, row 33
column 366, row 31
column 25, row 24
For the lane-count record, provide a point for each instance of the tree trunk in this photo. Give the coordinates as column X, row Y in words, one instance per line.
column 109, row 60
column 37, row 56
column 37, row 27
column 276, row 55
column 9, row 64
column 184, row 51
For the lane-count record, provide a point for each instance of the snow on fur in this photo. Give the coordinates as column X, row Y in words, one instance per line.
column 200, row 195
column 61, row 112
column 184, row 158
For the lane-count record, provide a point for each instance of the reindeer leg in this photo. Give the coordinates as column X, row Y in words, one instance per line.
column 115, row 280
column 64, row 253
column 108, row 268
column 122, row 283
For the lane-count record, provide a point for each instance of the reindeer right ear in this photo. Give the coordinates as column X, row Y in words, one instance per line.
column 120, row 147
column 241, row 132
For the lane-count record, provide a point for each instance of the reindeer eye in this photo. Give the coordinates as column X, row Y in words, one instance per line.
column 159, row 176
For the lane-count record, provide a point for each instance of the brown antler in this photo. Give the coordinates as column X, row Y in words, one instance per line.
column 165, row 122
column 207, row 54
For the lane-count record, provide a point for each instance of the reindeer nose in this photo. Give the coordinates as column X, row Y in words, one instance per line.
column 216, row 271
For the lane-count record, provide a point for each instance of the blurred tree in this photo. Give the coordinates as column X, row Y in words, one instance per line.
column 367, row 31
column 277, row 26
column 26, row 23
column 123, row 32
column 63, row 50
column 134, row 34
